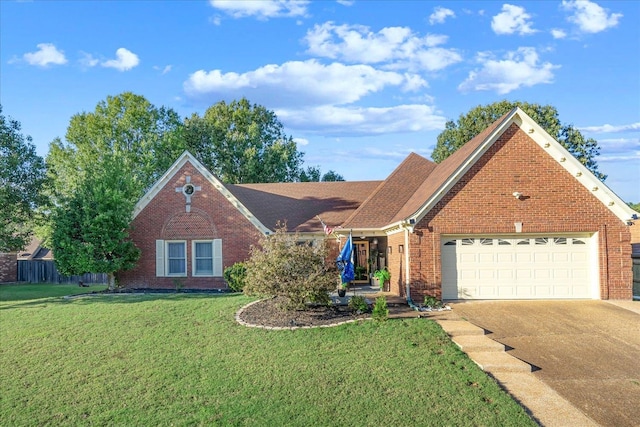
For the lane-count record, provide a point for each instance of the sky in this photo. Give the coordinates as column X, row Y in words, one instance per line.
column 357, row 84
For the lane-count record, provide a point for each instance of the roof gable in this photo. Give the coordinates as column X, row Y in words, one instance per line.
column 185, row 158
column 389, row 197
column 451, row 170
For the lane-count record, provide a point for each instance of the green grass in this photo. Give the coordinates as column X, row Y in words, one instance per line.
column 183, row 360
column 21, row 292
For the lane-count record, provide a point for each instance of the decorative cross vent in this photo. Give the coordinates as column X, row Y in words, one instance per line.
column 188, row 190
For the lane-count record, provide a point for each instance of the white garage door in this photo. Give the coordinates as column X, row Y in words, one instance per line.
column 517, row 267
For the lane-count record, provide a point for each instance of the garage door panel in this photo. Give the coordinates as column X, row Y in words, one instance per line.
column 518, row 267
column 561, row 257
column 543, row 257
column 469, row 258
column 540, row 274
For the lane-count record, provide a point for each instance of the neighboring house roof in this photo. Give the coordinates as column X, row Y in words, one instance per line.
column 35, row 252
column 300, row 203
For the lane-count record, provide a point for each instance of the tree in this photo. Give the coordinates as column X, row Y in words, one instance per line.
column 634, row 206
column 144, row 139
column 332, row 176
column 243, row 143
column 22, row 175
column 91, row 227
column 283, row 266
column 313, row 174
column 310, row 174
column 455, row 135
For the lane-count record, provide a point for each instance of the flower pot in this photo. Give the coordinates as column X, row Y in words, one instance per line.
column 342, row 292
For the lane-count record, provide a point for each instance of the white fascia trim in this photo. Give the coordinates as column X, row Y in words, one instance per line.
column 182, row 160
column 603, row 193
column 469, row 162
column 580, row 172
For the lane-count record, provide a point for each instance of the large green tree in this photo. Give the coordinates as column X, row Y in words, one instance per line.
column 243, row 143
column 456, row 134
column 145, row 140
column 22, row 175
column 91, row 227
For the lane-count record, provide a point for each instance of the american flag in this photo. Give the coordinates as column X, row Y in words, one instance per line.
column 327, row 230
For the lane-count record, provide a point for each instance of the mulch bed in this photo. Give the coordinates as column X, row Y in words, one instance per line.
column 268, row 313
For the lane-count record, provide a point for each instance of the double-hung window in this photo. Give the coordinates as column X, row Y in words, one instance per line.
column 203, row 258
column 176, row 258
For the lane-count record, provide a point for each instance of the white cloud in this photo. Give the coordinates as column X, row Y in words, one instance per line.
column 393, row 47
column 163, row 70
column 330, row 120
column 87, row 60
column 301, row 141
column 512, row 19
column 620, row 146
column 261, row 9
column 633, row 127
column 590, row 17
column 558, row 33
column 299, row 83
column 46, row 54
column 346, row 2
column 440, row 14
column 518, row 69
column 125, row 60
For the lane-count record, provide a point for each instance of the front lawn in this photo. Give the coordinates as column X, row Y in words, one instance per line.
column 183, row 360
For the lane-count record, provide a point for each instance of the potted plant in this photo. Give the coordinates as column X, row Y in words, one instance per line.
column 342, row 289
column 382, row 276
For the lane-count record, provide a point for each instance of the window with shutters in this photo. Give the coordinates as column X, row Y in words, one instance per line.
column 206, row 258
column 176, row 258
column 203, row 258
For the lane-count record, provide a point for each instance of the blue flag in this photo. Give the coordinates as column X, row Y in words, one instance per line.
column 345, row 262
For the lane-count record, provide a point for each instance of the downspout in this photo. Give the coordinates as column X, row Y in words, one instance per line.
column 407, row 280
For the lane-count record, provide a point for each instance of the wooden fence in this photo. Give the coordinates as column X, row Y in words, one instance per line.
column 46, row 272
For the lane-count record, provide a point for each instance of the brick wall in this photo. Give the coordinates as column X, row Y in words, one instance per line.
column 482, row 202
column 212, row 216
column 8, row 267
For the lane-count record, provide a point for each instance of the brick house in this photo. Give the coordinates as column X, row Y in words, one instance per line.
column 510, row 215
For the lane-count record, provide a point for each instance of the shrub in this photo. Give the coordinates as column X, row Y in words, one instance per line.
column 236, row 276
column 358, row 304
column 284, row 266
column 432, row 302
column 380, row 312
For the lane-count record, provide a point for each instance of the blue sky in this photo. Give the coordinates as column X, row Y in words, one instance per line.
column 358, row 84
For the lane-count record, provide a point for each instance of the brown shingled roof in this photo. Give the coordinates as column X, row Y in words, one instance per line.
column 300, row 202
column 443, row 172
column 383, row 204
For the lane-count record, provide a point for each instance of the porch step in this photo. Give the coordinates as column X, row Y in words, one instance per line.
column 492, row 361
column 457, row 328
column 477, row 343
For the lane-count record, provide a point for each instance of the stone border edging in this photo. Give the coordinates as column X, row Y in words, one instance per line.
column 285, row 328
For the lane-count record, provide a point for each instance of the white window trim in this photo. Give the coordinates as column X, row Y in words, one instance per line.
column 193, row 258
column 166, row 260
column 216, row 252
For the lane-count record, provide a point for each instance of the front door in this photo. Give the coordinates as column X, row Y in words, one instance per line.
column 361, row 261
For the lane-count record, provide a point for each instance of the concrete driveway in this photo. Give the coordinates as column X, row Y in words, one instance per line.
column 587, row 351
